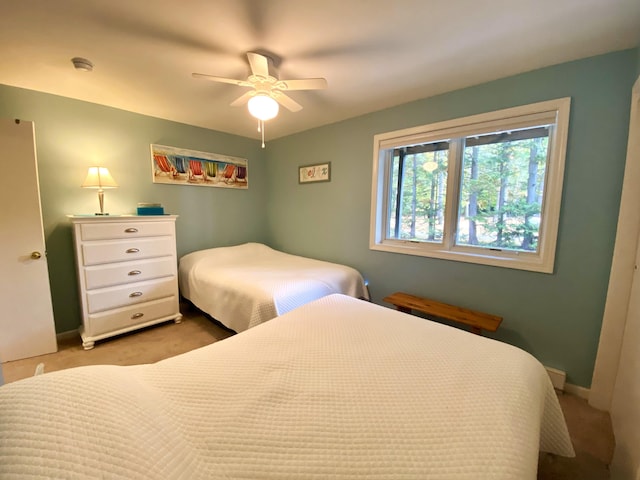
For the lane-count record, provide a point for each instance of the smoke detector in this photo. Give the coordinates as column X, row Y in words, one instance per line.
column 82, row 64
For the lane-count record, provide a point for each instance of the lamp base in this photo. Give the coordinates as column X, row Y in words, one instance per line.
column 101, row 201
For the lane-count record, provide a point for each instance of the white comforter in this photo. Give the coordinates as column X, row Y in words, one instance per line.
column 339, row 388
column 245, row 285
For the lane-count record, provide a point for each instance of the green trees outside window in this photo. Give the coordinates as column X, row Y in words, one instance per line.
column 501, row 190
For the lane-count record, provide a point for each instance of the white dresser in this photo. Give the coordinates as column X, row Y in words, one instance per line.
column 127, row 273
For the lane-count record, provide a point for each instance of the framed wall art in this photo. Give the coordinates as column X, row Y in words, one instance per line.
column 320, row 172
column 179, row 166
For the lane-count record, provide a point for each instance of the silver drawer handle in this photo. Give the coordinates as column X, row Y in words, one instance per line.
column 132, row 250
column 137, row 315
column 135, row 294
column 131, row 230
column 134, row 272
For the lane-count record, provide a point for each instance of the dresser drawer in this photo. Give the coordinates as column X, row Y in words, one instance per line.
column 120, row 318
column 100, row 276
column 121, row 296
column 105, row 231
column 95, row 253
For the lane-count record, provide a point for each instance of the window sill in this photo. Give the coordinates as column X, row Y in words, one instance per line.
column 518, row 261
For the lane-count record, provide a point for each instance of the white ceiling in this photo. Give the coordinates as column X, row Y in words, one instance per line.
column 373, row 53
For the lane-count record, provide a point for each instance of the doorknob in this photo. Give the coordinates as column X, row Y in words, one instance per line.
column 36, row 255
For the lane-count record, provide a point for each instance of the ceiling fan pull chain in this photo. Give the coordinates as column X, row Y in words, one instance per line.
column 259, row 125
column 262, row 121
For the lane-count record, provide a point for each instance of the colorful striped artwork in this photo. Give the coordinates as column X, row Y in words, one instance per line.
column 179, row 166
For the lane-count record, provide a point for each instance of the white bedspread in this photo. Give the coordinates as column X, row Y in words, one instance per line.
column 245, row 285
column 339, row 388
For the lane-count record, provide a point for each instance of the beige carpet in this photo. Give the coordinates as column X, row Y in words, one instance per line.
column 593, row 441
column 590, row 429
column 143, row 346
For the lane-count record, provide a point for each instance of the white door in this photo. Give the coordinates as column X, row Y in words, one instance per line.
column 27, row 328
column 625, row 404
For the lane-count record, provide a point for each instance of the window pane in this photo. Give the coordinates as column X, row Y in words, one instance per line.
column 417, row 192
column 501, row 190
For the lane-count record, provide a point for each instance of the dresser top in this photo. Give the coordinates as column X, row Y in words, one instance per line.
column 120, row 218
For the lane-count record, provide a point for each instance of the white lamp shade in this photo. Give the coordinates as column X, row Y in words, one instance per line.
column 99, row 177
column 263, row 107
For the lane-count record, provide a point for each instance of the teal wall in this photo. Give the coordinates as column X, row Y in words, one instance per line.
column 557, row 317
column 72, row 135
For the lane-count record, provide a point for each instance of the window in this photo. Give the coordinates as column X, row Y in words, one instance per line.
column 480, row 189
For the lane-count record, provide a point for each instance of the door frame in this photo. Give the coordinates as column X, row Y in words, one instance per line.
column 623, row 265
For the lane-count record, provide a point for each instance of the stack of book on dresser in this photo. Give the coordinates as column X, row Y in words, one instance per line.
column 150, row 209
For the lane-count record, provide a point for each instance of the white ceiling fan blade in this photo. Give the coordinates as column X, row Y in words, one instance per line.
column 259, row 64
column 302, row 84
column 242, row 99
column 233, row 81
column 287, row 102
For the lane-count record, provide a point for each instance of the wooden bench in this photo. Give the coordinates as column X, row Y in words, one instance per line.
column 478, row 321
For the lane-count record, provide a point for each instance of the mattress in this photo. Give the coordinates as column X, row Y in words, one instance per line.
column 338, row 388
column 245, row 285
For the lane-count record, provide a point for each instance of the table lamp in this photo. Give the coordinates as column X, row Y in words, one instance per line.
column 100, row 178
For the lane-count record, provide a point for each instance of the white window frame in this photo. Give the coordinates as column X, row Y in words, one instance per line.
column 552, row 111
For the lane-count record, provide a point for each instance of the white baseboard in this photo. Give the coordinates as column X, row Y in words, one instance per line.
column 558, row 379
column 577, row 390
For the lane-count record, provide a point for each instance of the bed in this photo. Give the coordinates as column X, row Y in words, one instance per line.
column 337, row 388
column 244, row 285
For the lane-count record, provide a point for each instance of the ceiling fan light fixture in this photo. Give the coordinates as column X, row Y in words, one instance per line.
column 263, row 107
column 429, row 166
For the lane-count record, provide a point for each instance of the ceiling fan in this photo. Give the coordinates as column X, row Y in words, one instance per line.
column 266, row 89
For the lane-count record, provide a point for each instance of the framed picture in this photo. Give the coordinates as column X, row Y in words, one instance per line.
column 178, row 166
column 320, row 172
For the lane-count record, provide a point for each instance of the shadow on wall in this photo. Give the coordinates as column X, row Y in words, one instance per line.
column 512, row 337
column 62, row 277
